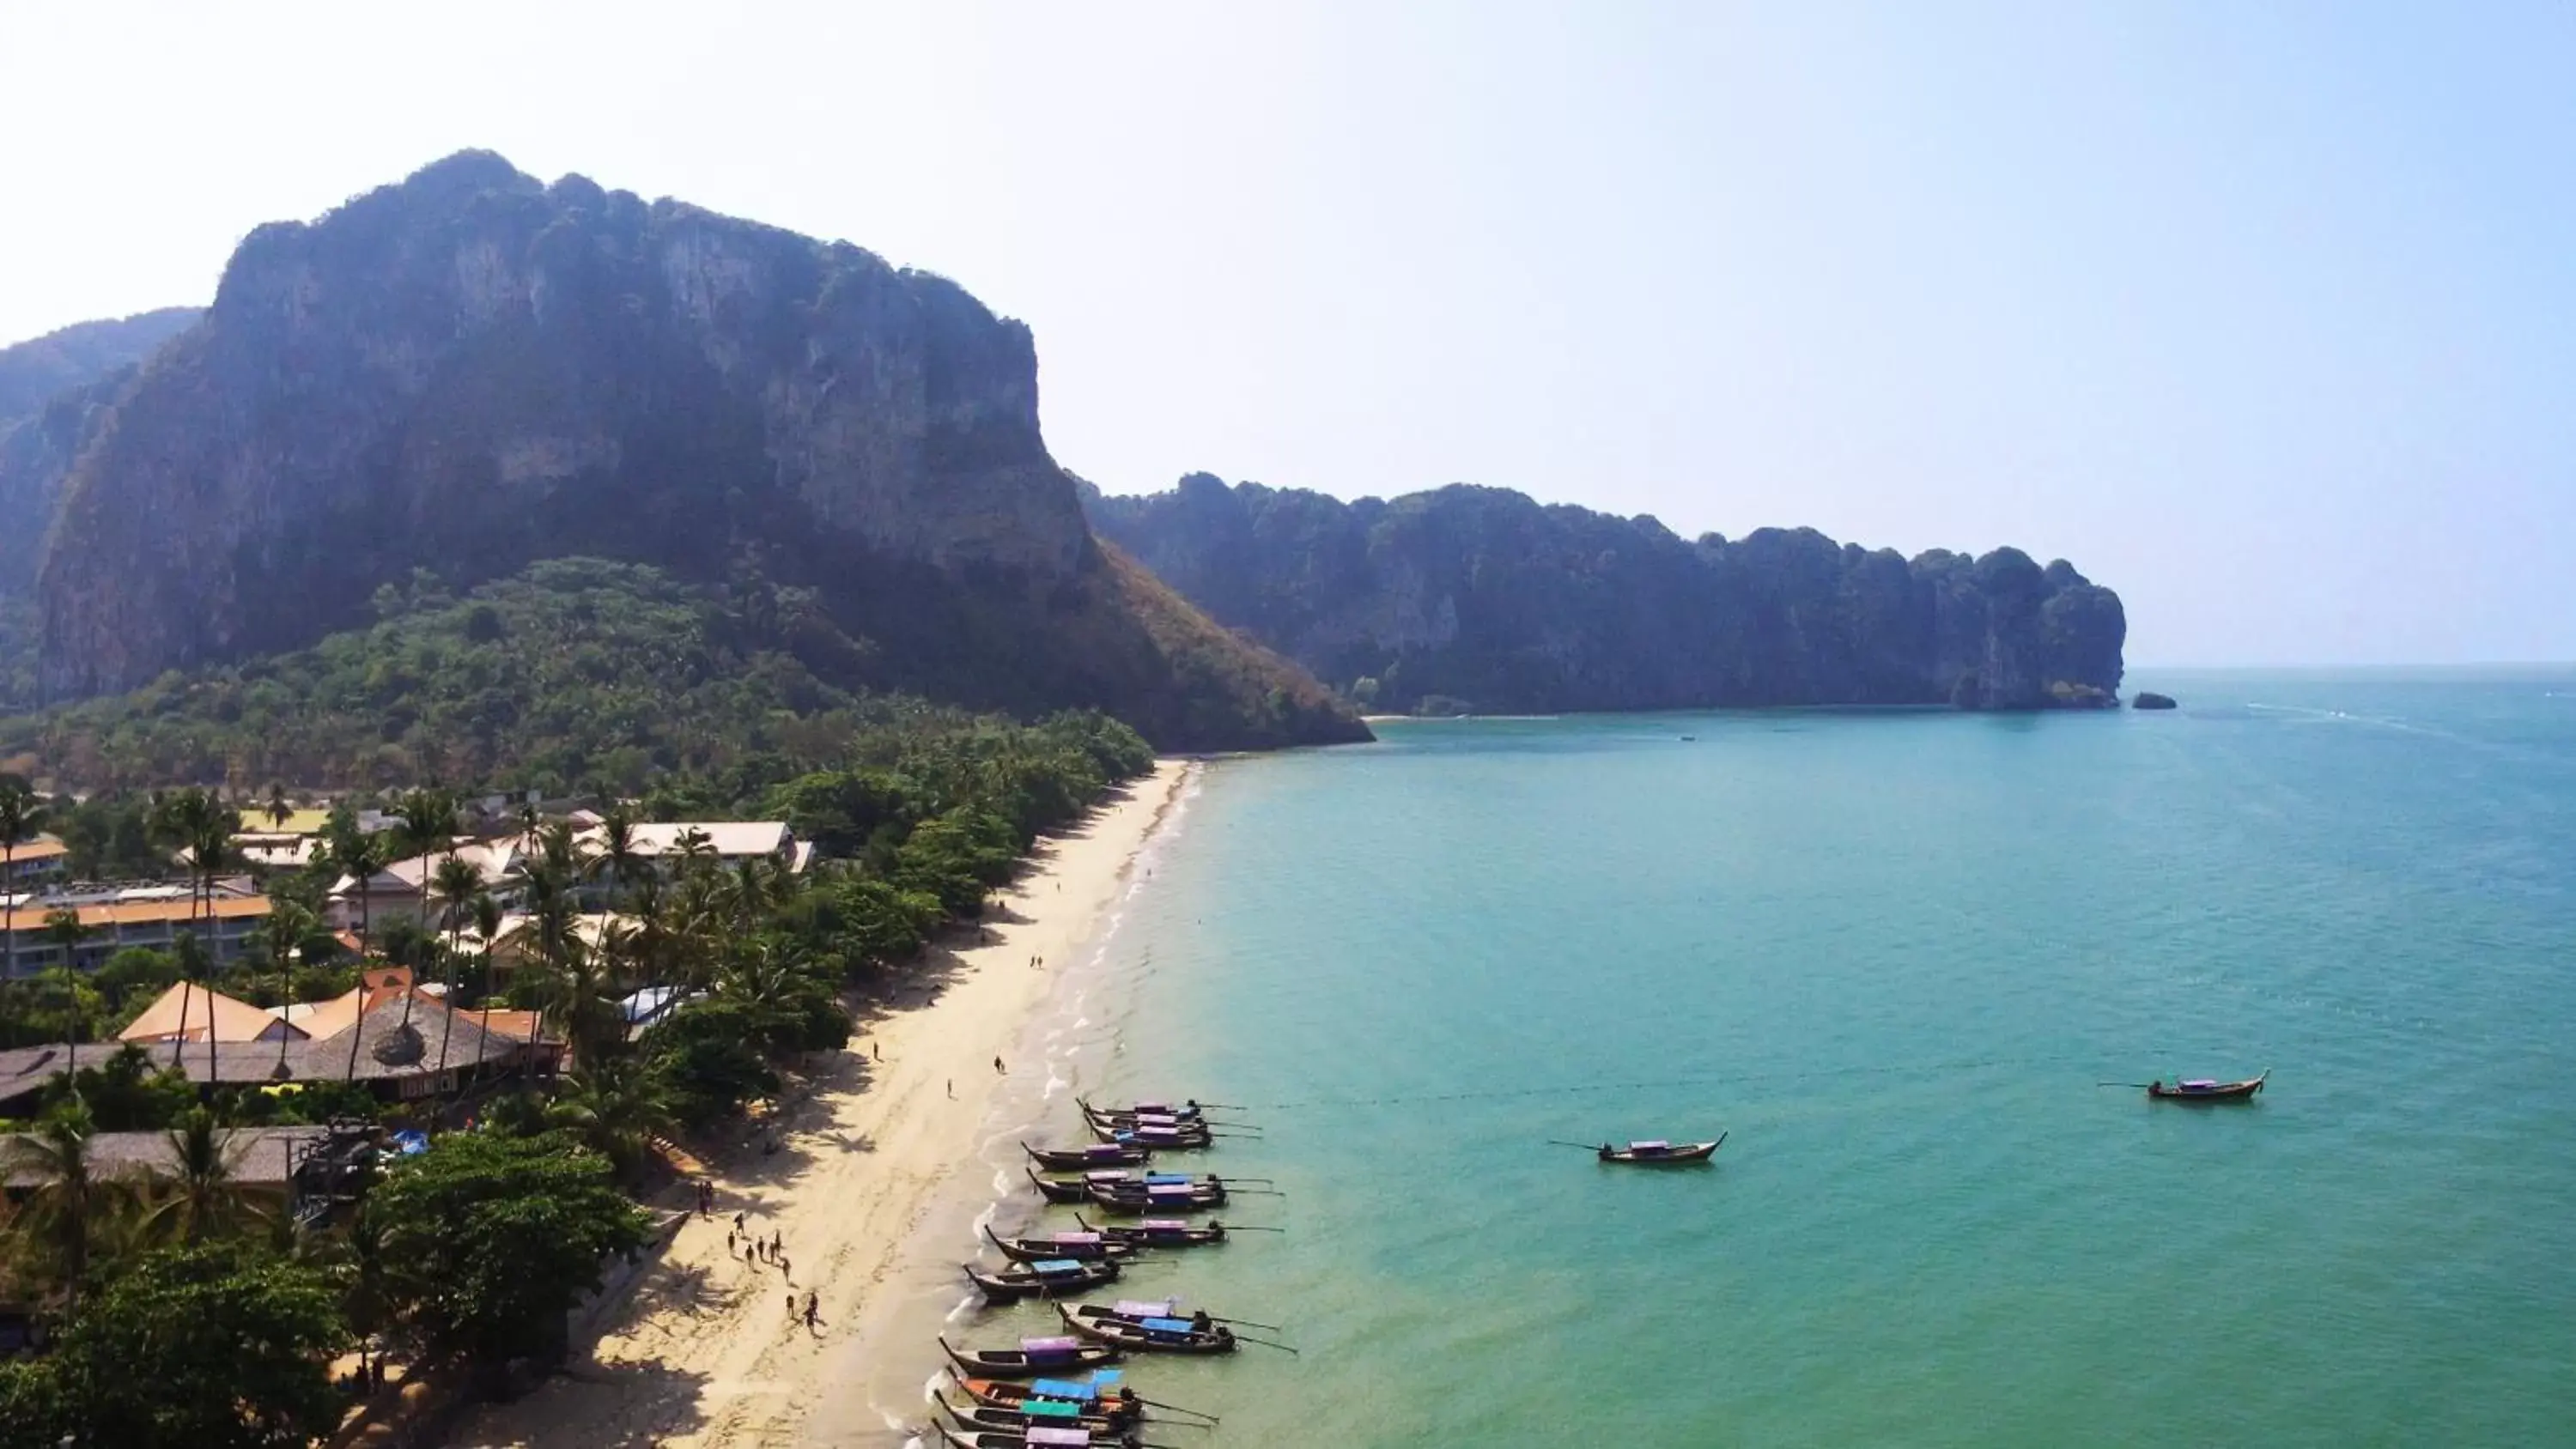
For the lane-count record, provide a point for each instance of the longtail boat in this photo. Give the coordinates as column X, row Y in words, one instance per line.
column 1158, row 1197
column 1148, row 1328
column 1083, row 1159
column 1034, row 1439
column 1034, row 1358
column 1183, row 1110
column 1041, row 1414
column 1652, row 1151
column 1042, row 1278
column 2203, row 1089
column 1159, row 1233
column 1098, row 1395
column 1162, row 1136
column 1087, row 1246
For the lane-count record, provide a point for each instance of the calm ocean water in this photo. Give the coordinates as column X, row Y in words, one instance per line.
column 1891, row 955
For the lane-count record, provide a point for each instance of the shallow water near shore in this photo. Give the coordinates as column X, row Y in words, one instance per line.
column 1891, row 955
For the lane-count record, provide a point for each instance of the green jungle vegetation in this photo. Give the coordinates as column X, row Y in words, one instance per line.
column 918, row 813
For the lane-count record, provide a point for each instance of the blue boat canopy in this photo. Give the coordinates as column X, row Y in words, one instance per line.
column 1058, row 1265
column 1168, row 1325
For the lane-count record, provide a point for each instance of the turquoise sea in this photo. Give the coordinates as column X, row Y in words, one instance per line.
column 1891, row 955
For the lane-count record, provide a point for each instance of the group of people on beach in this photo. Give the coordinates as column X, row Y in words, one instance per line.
column 757, row 1249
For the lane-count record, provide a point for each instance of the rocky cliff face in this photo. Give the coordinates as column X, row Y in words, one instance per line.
column 1484, row 598
column 472, row 370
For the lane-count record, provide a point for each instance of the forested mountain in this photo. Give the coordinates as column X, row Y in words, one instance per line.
column 75, row 356
column 1480, row 598
column 472, row 371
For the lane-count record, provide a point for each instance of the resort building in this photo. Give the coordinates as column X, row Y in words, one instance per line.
column 394, row 893
column 36, row 863
column 191, row 1012
column 726, row 842
column 119, row 917
column 402, row 1044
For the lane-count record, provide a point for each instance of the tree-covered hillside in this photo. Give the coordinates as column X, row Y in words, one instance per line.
column 576, row 673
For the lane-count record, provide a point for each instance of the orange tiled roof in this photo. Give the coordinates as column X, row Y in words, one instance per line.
column 136, row 913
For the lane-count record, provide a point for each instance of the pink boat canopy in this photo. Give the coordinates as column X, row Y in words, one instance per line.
column 1049, row 1345
column 1133, row 1308
column 1083, row 1238
column 1057, row 1436
column 1162, row 1225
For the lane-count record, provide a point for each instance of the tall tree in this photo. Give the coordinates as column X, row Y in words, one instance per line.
column 58, row 1222
column 282, row 936
column 278, row 812
column 212, row 1347
column 618, row 852
column 487, row 925
column 184, row 821
column 22, row 814
column 202, row 1198
column 63, row 929
column 489, row 1238
column 459, row 885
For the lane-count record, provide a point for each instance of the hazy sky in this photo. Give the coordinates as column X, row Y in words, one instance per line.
column 2263, row 314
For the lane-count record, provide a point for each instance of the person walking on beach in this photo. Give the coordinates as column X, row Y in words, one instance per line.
column 952, row 1089
column 998, row 1069
column 784, row 1271
column 791, row 1305
column 737, row 1222
column 813, row 1309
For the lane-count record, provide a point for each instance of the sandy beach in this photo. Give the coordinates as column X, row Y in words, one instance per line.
column 704, row 1352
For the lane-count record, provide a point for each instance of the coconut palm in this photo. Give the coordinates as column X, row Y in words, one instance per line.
column 429, row 823
column 64, row 929
column 617, row 1107
column 281, row 938
column 618, row 853
column 22, row 814
column 57, row 1225
column 487, row 924
column 180, row 820
column 278, row 811
column 459, row 885
column 202, row 1199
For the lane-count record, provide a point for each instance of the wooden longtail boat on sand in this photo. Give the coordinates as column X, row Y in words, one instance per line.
column 1043, row 1278
column 1034, row 1358
column 1158, row 1233
column 2202, row 1089
column 1086, row 1246
column 1084, row 1159
column 1148, row 1328
column 1656, row 1151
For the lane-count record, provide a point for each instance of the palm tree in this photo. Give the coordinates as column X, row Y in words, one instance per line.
column 213, row 843
column 22, row 814
column 187, row 820
column 459, row 886
column 618, row 1108
column 283, row 935
column 487, row 924
column 619, row 854
column 278, row 812
column 202, row 1198
column 58, row 1220
column 357, row 855
column 64, row 929
column 428, row 824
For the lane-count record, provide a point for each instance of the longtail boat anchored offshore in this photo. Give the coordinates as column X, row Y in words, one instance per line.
column 1656, row 1150
column 1039, row 1416
column 2203, row 1089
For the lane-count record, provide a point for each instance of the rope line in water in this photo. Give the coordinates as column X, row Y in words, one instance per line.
column 1570, row 1089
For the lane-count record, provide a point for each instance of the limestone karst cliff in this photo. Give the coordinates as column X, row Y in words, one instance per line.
column 1481, row 598
column 472, row 369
